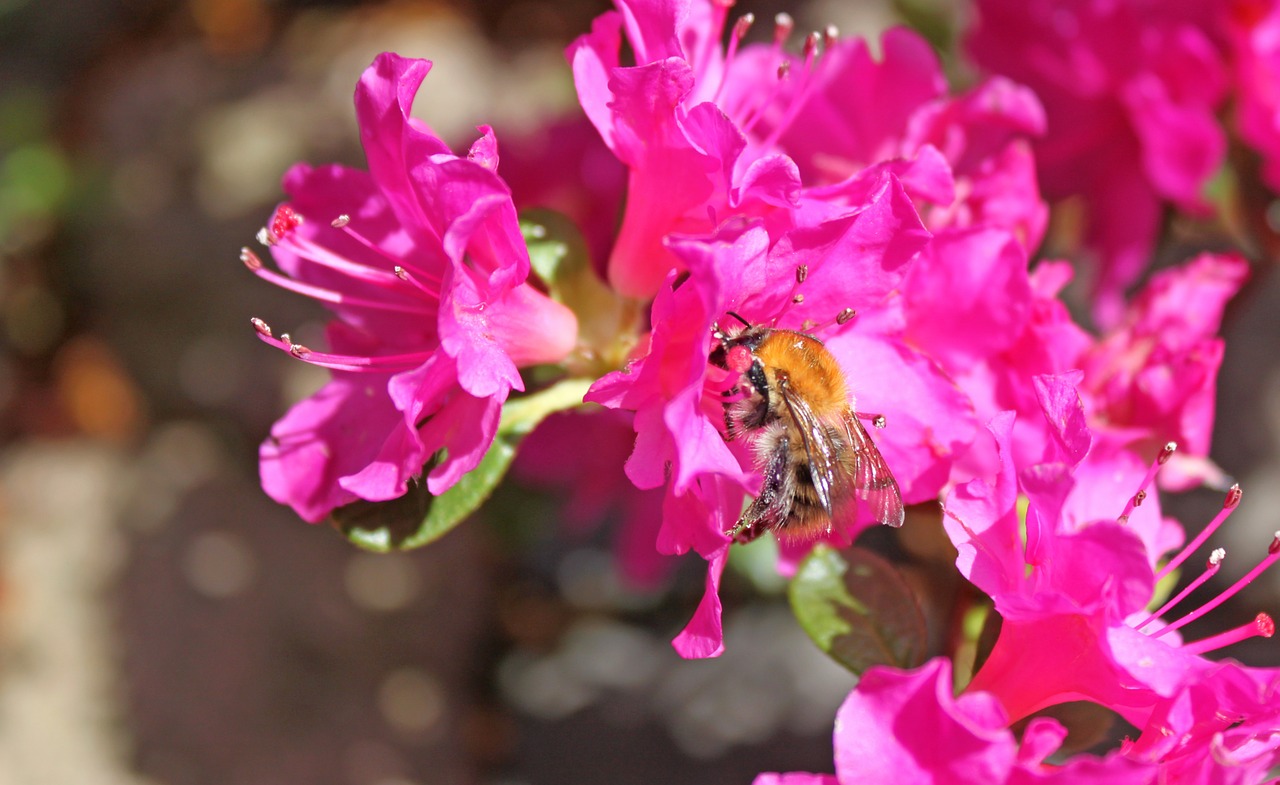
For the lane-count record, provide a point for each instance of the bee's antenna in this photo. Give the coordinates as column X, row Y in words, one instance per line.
column 739, row 318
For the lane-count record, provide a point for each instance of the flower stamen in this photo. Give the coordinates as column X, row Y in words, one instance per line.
column 1136, row 500
column 1273, row 555
column 1262, row 626
column 1229, row 504
column 1211, row 569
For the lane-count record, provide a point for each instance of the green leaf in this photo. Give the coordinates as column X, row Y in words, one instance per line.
column 556, row 248
column 418, row 518
column 858, row 609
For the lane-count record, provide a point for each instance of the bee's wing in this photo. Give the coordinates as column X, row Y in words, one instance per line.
column 820, row 447
column 873, row 483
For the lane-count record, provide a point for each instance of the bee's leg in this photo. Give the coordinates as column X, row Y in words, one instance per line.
column 771, row 507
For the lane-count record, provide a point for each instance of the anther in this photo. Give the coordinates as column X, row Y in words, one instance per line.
column 299, row 351
column 784, row 68
column 879, row 421
column 1139, row 498
column 1166, row 453
column 1211, row 568
column 284, row 337
column 799, row 298
column 1229, row 504
column 811, row 45
column 264, row 237
column 1273, row 554
column 285, row 220
column 783, row 24
column 802, row 272
column 1261, row 627
column 743, row 24
column 845, row 315
column 829, row 36
column 262, row 327
column 401, row 273
column 340, row 221
column 250, row 259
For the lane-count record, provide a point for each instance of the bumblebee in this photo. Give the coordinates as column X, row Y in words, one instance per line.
column 817, row 460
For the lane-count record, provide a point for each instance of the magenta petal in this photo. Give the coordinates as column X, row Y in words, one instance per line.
column 465, row 426
column 1042, row 737
column 392, row 139
column 1055, row 659
column 976, row 278
column 855, row 260
column 773, row 179
column 795, row 778
column 1064, row 413
column 1182, row 146
column 982, row 522
column 333, row 434
column 484, row 150
column 703, row 636
column 652, row 27
column 929, row 420
column 593, row 57
column 905, row 726
column 483, row 368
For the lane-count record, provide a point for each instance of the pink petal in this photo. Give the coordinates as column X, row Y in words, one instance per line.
column 976, row 278
column 333, row 434
column 703, row 636
column 904, row 726
column 929, row 420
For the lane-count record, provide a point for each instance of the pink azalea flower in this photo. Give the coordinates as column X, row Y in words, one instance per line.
column 907, row 726
column 1072, row 587
column 1221, row 728
column 684, row 154
column 1154, row 377
column 1130, row 89
column 422, row 261
column 1150, row 380
column 857, row 110
column 856, row 260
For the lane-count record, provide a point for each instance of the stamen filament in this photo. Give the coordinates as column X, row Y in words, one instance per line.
column 1261, row 627
column 344, row 362
column 1231, row 501
column 311, row 251
column 740, row 29
column 803, row 92
column 1138, row 497
column 367, row 243
column 1273, row 554
column 338, row 298
column 1211, row 569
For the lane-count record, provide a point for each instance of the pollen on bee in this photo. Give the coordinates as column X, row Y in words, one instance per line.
column 738, row 359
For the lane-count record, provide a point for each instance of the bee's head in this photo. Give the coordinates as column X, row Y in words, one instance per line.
column 737, row 344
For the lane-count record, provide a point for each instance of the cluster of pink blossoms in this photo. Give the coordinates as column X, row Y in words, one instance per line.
column 803, row 183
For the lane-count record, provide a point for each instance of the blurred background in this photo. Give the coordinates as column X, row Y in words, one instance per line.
column 162, row 621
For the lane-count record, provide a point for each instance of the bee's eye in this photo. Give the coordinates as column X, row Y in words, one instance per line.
column 738, row 359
